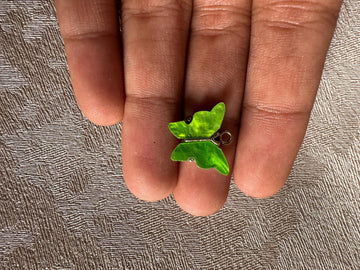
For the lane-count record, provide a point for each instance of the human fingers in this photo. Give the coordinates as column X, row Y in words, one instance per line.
column 155, row 37
column 92, row 43
column 217, row 58
column 289, row 40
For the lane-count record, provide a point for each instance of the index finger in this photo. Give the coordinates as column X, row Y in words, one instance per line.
column 91, row 35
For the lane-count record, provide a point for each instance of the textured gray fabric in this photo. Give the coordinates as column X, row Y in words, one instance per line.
column 64, row 204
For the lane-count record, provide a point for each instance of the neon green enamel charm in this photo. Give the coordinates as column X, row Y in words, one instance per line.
column 201, row 139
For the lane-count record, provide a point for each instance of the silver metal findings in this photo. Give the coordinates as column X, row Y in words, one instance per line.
column 219, row 138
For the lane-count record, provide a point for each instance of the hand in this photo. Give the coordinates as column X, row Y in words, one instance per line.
column 262, row 58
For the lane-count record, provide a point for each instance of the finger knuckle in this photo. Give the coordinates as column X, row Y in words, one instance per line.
column 276, row 113
column 150, row 9
column 220, row 19
column 285, row 16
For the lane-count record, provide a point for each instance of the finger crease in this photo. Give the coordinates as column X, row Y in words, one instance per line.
column 153, row 100
column 90, row 35
column 284, row 112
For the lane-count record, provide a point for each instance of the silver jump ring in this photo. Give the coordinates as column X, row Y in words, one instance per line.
column 225, row 141
column 218, row 139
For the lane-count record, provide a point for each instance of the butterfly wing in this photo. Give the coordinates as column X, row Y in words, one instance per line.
column 206, row 154
column 203, row 125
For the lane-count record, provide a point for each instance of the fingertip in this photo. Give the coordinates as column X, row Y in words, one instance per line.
column 98, row 87
column 106, row 115
column 149, row 188
column 199, row 208
column 201, row 192
column 149, row 173
column 258, row 186
column 266, row 150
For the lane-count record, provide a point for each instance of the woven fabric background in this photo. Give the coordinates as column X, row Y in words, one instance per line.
column 64, row 204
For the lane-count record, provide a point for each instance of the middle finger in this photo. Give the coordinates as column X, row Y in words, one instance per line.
column 155, row 37
column 217, row 60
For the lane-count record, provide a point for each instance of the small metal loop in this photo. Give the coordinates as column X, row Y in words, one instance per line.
column 228, row 141
column 217, row 138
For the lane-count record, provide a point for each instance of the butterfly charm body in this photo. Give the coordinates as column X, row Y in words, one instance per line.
column 201, row 139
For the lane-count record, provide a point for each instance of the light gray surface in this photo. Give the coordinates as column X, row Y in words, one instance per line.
column 64, row 204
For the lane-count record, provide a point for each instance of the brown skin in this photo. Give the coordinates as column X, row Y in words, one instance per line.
column 263, row 58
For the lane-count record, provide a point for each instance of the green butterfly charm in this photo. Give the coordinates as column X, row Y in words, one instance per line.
column 201, row 138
